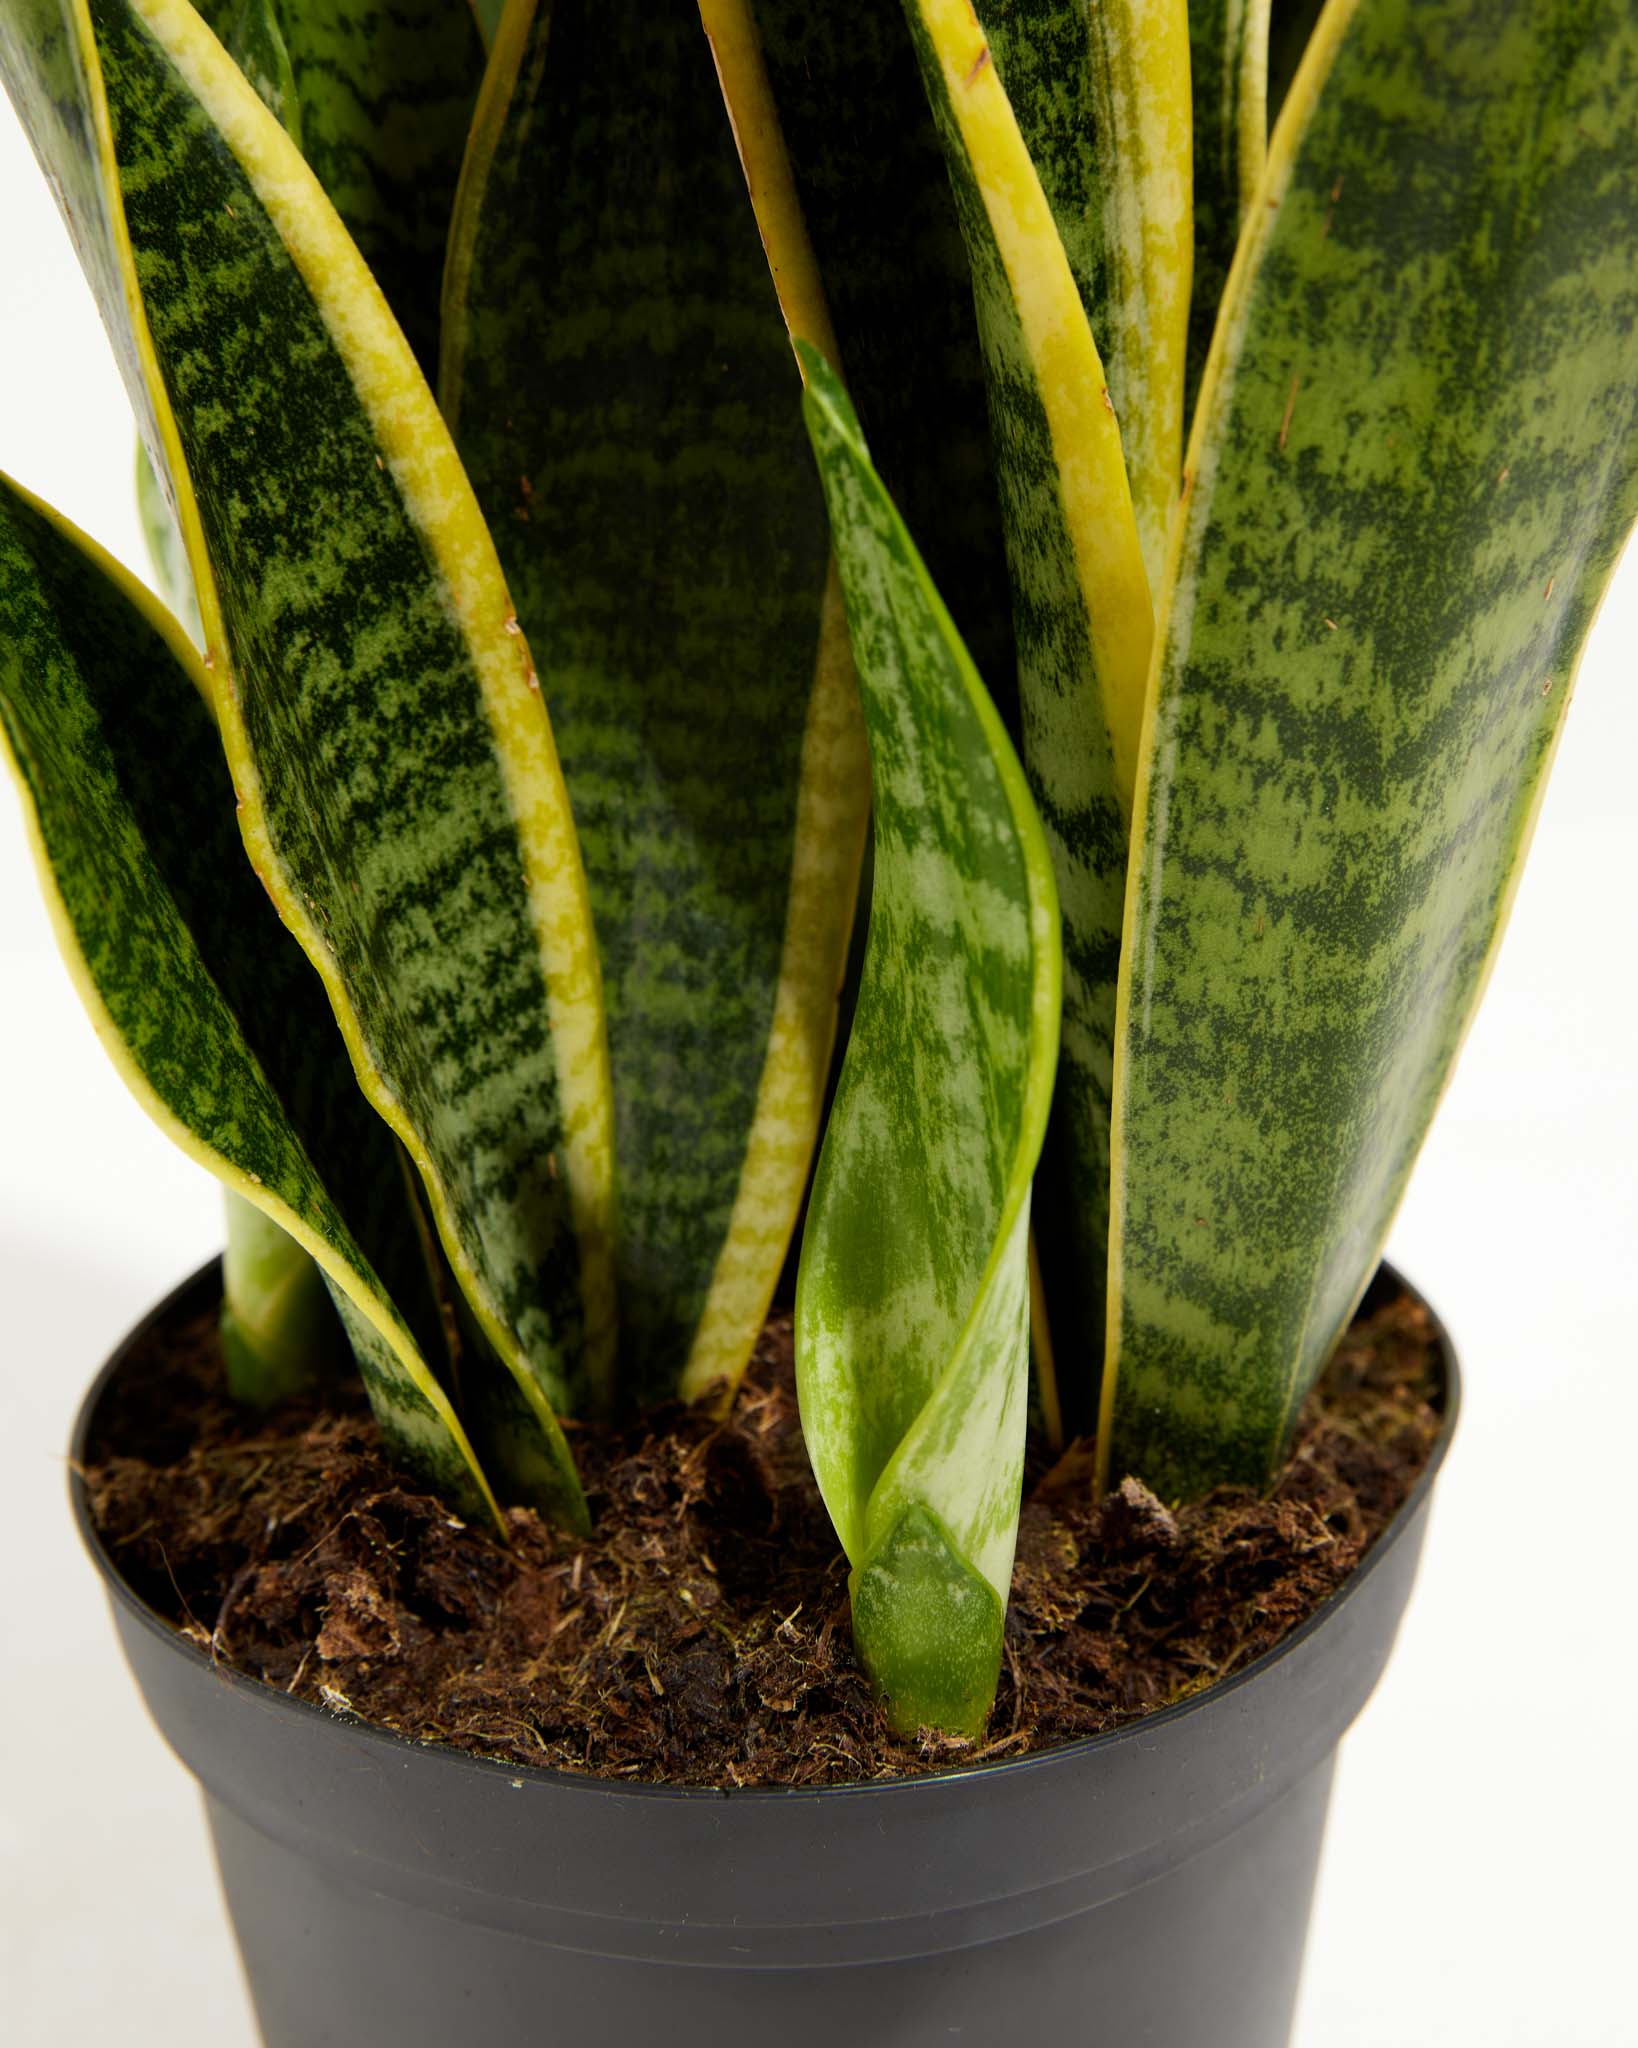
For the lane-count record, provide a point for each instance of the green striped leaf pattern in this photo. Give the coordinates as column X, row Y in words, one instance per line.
column 1101, row 95
column 621, row 390
column 378, row 96
column 253, row 33
column 214, row 1019
column 1084, row 626
column 1228, row 62
column 1416, row 458
column 876, row 201
column 399, row 792
column 912, row 1301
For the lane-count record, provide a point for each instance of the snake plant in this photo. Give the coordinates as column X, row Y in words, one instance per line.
column 1148, row 471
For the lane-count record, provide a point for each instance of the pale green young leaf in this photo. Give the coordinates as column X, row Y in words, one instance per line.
column 1415, row 460
column 279, row 1329
column 912, row 1303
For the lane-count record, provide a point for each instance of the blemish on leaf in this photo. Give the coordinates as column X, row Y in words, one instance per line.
column 979, row 63
column 1547, row 593
column 1290, row 407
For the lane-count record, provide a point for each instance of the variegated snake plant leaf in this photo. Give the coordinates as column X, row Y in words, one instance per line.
column 913, row 1299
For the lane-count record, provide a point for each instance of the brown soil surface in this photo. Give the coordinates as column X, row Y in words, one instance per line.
column 702, row 1636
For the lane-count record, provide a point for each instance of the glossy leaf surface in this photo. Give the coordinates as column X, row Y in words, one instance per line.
column 913, row 1299
column 1416, row 457
column 206, row 1006
column 621, row 389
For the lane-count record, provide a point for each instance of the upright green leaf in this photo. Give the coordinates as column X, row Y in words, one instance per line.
column 834, row 88
column 379, row 100
column 214, row 1020
column 1101, row 96
column 912, row 1312
column 1084, row 622
column 1416, row 458
column 620, row 387
column 400, row 794
column 1228, row 59
column 278, row 1326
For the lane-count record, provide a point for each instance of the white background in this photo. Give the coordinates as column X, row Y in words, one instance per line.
column 1478, row 1885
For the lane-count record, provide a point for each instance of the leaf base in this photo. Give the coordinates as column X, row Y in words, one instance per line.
column 927, row 1628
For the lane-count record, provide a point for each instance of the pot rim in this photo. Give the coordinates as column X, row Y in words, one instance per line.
column 207, row 1279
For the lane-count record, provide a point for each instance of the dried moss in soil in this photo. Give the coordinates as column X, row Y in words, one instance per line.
column 702, row 1636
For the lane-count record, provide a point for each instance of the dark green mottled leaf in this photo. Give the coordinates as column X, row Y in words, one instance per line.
column 487, row 14
column 1084, row 629
column 1290, row 26
column 1101, row 95
column 277, row 1326
column 400, row 794
column 913, row 1301
column 873, row 192
column 378, row 96
column 1228, row 61
column 622, row 392
column 1416, row 459
column 212, row 1016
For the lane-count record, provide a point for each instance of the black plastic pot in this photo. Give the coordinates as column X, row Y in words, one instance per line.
column 1147, row 1886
